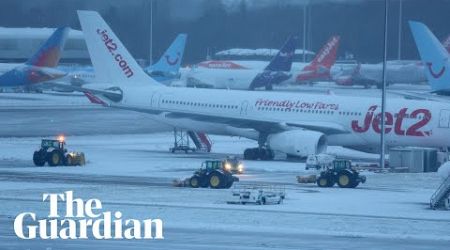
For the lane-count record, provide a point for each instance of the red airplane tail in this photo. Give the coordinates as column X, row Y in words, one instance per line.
column 327, row 55
column 319, row 68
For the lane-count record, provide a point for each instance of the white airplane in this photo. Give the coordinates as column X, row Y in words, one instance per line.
column 368, row 75
column 292, row 123
column 242, row 74
column 397, row 71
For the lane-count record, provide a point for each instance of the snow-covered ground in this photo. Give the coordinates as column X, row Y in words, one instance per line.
column 131, row 171
column 133, row 174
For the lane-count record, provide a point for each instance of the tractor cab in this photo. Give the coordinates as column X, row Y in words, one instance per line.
column 341, row 164
column 211, row 165
column 57, row 144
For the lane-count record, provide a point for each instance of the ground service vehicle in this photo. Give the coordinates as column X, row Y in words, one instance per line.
column 259, row 195
column 342, row 173
column 319, row 161
column 234, row 165
column 55, row 154
column 212, row 174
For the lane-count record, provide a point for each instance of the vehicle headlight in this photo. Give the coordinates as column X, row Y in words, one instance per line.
column 240, row 167
column 228, row 166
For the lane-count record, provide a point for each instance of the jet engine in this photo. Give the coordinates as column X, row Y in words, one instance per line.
column 298, row 142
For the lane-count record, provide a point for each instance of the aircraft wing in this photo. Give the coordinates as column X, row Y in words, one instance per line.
column 421, row 96
column 267, row 126
column 112, row 94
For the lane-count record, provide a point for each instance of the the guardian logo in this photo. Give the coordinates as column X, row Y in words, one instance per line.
column 83, row 220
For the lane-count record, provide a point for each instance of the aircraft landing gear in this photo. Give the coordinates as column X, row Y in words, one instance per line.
column 263, row 154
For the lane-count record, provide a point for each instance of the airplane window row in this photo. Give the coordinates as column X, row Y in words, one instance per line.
column 350, row 113
column 397, row 115
column 198, row 104
column 296, row 110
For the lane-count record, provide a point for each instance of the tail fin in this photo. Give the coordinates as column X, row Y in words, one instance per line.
column 319, row 68
column 170, row 61
column 111, row 60
column 327, row 55
column 433, row 55
column 50, row 52
column 446, row 43
column 283, row 59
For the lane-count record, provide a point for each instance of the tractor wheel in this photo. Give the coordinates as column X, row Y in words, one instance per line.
column 194, row 182
column 55, row 158
column 38, row 158
column 216, row 180
column 323, row 181
column 346, row 179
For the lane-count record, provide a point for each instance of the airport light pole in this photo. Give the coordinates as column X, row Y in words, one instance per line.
column 400, row 19
column 304, row 31
column 383, row 89
column 151, row 33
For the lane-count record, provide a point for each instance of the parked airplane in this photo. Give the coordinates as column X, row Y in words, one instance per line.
column 41, row 66
column 369, row 75
column 294, row 124
column 398, row 71
column 241, row 74
column 231, row 75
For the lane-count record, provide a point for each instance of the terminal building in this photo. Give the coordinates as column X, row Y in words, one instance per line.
column 19, row 44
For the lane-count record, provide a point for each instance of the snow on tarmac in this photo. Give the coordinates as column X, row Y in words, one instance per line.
column 387, row 206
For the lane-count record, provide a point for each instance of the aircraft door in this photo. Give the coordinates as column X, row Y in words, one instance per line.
column 244, row 107
column 155, row 99
column 444, row 118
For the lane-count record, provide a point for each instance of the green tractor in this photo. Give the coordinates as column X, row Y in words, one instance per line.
column 55, row 154
column 214, row 174
column 342, row 173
